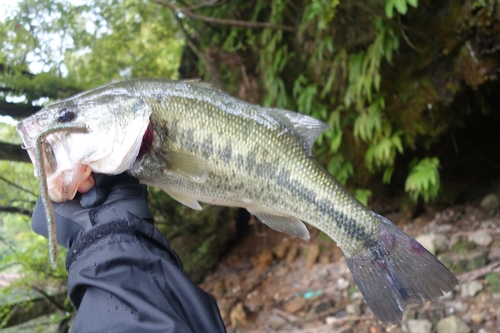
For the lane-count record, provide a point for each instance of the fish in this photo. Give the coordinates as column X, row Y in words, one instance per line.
column 199, row 144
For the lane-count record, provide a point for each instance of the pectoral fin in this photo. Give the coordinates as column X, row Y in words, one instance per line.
column 184, row 199
column 287, row 224
column 187, row 166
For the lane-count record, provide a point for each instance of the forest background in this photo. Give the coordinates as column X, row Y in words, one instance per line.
column 409, row 89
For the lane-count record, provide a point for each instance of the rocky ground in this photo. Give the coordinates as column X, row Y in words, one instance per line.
column 271, row 282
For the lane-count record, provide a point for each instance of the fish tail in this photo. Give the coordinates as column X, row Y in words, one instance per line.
column 395, row 270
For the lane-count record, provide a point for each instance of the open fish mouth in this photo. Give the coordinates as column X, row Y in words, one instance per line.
column 64, row 177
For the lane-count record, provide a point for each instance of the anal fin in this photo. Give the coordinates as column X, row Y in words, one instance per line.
column 287, row 224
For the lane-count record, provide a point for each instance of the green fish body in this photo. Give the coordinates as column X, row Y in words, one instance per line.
column 199, row 144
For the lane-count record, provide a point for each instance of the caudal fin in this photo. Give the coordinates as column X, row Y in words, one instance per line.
column 396, row 270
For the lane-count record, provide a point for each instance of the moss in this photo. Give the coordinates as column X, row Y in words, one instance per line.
column 493, row 280
column 463, row 246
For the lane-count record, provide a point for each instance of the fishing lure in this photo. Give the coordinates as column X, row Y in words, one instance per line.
column 42, row 181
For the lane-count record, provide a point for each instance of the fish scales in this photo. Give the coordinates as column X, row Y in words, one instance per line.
column 201, row 145
column 251, row 161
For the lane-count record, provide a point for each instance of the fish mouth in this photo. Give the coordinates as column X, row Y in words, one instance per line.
column 63, row 185
column 64, row 178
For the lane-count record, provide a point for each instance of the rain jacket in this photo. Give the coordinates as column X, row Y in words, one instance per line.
column 125, row 277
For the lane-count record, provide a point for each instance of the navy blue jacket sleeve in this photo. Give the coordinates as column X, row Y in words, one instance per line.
column 124, row 277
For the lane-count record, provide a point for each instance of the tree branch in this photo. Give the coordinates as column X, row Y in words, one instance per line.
column 17, row 110
column 234, row 23
column 18, row 210
column 17, row 186
column 49, row 298
column 479, row 273
column 214, row 76
column 6, row 69
column 15, row 153
column 207, row 4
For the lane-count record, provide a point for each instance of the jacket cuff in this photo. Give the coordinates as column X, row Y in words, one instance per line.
column 132, row 226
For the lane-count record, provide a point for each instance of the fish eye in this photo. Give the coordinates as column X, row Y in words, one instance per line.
column 66, row 115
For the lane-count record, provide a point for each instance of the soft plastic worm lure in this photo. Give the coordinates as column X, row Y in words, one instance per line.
column 42, row 181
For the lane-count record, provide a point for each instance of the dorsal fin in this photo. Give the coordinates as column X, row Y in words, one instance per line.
column 200, row 83
column 305, row 128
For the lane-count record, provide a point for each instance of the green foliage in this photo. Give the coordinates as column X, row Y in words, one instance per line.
column 90, row 44
column 202, row 256
column 493, row 280
column 364, row 67
column 363, row 195
column 369, row 122
column 22, row 251
column 400, row 5
column 321, row 11
column 340, row 168
column 327, row 79
column 463, row 246
column 382, row 149
column 479, row 4
column 358, row 66
column 423, row 180
column 198, row 237
column 128, row 39
column 50, row 50
column 324, row 238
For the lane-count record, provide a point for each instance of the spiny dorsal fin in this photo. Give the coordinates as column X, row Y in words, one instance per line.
column 201, row 84
column 187, row 166
column 287, row 224
column 305, row 128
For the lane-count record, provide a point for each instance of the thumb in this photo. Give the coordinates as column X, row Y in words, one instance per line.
column 98, row 193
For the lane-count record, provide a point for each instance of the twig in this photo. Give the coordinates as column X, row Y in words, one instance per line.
column 214, row 76
column 407, row 39
column 480, row 272
column 454, row 142
column 324, row 329
column 337, row 321
column 49, row 298
column 234, row 23
column 17, row 186
column 207, row 4
column 14, row 209
column 471, row 232
column 245, row 77
column 371, row 10
column 288, row 316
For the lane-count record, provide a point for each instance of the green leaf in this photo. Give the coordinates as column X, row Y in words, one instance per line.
column 413, row 3
column 389, row 8
column 386, row 178
column 362, row 195
column 336, row 141
column 423, row 179
column 401, row 6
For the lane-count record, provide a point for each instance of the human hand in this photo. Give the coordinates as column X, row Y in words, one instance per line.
column 106, row 199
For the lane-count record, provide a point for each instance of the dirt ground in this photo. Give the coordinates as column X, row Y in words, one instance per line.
column 271, row 282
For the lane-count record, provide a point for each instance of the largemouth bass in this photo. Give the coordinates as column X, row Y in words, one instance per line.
column 200, row 145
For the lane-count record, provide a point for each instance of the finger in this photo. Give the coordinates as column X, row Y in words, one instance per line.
column 87, row 184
